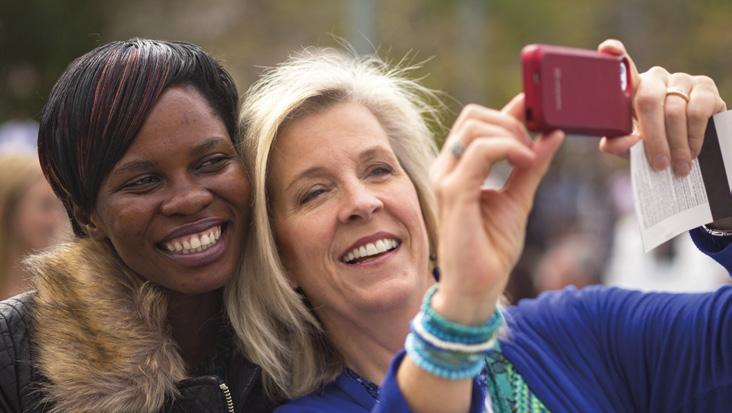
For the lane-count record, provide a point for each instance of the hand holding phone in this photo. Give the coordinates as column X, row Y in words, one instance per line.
column 575, row 90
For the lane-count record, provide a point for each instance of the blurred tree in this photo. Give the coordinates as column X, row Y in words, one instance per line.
column 38, row 38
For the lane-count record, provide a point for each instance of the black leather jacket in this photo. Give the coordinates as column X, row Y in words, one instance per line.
column 19, row 378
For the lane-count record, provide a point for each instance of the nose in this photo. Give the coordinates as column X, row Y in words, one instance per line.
column 360, row 204
column 186, row 200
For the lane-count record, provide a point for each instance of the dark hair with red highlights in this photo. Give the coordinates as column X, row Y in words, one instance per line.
column 99, row 104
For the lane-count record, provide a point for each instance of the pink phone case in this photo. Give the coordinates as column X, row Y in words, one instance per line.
column 578, row 91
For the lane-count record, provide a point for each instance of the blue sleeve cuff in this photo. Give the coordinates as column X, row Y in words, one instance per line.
column 716, row 247
column 391, row 399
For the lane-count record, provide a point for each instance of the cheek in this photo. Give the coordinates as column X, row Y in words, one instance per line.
column 304, row 248
column 128, row 221
column 234, row 188
column 408, row 207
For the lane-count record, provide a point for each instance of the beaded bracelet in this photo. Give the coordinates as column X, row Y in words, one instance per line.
column 429, row 363
column 448, row 349
column 447, row 330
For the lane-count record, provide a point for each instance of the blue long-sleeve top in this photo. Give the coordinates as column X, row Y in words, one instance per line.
column 597, row 350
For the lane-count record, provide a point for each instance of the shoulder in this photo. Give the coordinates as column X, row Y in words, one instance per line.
column 15, row 323
column 15, row 311
column 16, row 367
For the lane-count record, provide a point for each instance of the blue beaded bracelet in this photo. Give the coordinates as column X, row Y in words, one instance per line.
column 428, row 363
column 447, row 349
column 447, row 330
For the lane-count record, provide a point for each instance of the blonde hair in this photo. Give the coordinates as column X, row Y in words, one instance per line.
column 278, row 330
column 18, row 172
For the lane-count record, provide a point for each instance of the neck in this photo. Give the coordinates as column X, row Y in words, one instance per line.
column 195, row 323
column 368, row 341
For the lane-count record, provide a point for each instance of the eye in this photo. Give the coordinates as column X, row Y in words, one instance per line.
column 214, row 163
column 142, row 183
column 311, row 195
column 380, row 170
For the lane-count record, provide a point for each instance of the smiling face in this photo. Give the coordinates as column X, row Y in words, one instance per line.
column 175, row 206
column 347, row 219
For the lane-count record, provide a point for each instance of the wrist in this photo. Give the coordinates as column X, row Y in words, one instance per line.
column 723, row 225
column 716, row 231
column 468, row 311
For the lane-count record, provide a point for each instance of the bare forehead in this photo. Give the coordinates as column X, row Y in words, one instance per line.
column 344, row 132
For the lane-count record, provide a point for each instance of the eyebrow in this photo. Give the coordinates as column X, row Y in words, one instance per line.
column 318, row 170
column 143, row 165
column 206, row 145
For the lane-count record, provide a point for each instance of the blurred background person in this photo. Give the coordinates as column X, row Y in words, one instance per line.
column 32, row 219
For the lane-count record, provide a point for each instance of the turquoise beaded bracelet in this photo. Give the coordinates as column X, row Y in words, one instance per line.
column 447, row 330
column 447, row 349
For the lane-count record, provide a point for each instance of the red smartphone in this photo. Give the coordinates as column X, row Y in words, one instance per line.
column 576, row 90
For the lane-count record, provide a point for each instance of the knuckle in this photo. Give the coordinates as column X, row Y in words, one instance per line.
column 681, row 77
column 445, row 188
column 471, row 126
column 696, row 113
column 658, row 70
column 680, row 153
column 676, row 112
column 703, row 80
column 647, row 101
column 471, row 109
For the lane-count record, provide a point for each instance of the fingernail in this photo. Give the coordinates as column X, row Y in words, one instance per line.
column 682, row 168
column 661, row 162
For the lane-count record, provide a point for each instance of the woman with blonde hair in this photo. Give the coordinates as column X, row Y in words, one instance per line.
column 347, row 219
column 31, row 218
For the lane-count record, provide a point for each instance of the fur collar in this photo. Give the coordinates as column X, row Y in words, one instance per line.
column 101, row 335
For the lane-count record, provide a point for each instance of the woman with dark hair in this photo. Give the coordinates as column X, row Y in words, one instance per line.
column 136, row 140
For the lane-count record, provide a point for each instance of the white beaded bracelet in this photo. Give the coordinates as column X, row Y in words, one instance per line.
column 450, row 346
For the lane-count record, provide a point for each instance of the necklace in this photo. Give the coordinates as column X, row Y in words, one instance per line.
column 371, row 388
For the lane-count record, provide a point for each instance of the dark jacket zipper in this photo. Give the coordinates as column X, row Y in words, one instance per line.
column 227, row 396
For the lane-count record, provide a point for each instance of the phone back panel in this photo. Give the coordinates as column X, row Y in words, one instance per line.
column 575, row 90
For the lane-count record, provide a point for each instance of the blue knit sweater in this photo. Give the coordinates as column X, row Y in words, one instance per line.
column 598, row 350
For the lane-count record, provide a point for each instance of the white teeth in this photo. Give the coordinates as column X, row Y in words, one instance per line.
column 195, row 242
column 370, row 249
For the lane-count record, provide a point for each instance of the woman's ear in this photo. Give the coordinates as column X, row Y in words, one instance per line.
column 88, row 224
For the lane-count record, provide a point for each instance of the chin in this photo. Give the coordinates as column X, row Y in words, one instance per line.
column 391, row 297
column 201, row 288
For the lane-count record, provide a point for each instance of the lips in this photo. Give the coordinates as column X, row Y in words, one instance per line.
column 370, row 247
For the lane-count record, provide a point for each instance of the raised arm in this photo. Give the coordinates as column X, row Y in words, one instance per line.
column 481, row 231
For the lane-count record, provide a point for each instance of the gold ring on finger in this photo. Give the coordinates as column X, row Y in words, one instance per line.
column 677, row 91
